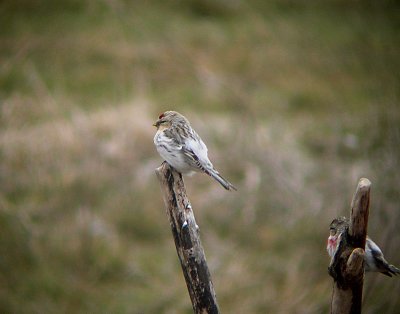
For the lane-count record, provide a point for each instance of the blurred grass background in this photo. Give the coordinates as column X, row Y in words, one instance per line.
column 296, row 100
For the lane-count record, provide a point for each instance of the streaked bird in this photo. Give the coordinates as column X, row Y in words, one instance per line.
column 374, row 261
column 182, row 147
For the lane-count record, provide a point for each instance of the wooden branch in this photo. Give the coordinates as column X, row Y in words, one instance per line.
column 187, row 241
column 347, row 265
column 359, row 213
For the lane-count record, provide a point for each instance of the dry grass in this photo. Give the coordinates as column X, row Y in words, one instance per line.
column 294, row 106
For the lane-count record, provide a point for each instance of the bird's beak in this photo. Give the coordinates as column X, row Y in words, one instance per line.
column 157, row 123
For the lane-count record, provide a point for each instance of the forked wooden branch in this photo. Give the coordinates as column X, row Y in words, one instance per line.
column 347, row 265
column 187, row 241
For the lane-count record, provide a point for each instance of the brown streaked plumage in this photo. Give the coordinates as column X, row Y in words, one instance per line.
column 183, row 148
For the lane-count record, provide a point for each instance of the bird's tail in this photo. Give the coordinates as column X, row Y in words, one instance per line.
column 394, row 270
column 225, row 183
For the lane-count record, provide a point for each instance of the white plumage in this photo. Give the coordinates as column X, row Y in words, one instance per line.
column 180, row 146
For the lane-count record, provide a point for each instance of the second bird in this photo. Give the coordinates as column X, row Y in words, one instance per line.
column 182, row 147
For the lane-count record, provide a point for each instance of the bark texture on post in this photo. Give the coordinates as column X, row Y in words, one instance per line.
column 187, row 241
column 347, row 265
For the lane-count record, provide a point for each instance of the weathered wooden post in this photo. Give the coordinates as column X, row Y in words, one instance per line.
column 187, row 241
column 347, row 265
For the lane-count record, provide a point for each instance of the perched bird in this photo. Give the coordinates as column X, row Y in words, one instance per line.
column 374, row 261
column 183, row 148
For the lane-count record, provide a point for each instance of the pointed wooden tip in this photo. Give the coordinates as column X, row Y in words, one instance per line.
column 364, row 183
column 163, row 168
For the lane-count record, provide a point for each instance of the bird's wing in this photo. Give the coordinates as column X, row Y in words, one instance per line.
column 196, row 151
column 376, row 252
column 193, row 159
column 196, row 145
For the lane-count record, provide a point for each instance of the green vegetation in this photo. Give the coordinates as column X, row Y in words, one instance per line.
column 296, row 100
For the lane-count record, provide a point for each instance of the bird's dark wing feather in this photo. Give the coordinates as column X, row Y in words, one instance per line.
column 194, row 159
column 381, row 263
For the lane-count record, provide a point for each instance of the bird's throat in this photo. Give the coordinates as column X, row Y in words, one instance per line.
column 161, row 128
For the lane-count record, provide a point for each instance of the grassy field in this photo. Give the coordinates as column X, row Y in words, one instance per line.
column 296, row 100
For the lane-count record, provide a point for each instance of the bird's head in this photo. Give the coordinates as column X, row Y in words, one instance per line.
column 169, row 118
column 336, row 228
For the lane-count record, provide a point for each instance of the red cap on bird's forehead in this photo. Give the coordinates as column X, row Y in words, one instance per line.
column 161, row 116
